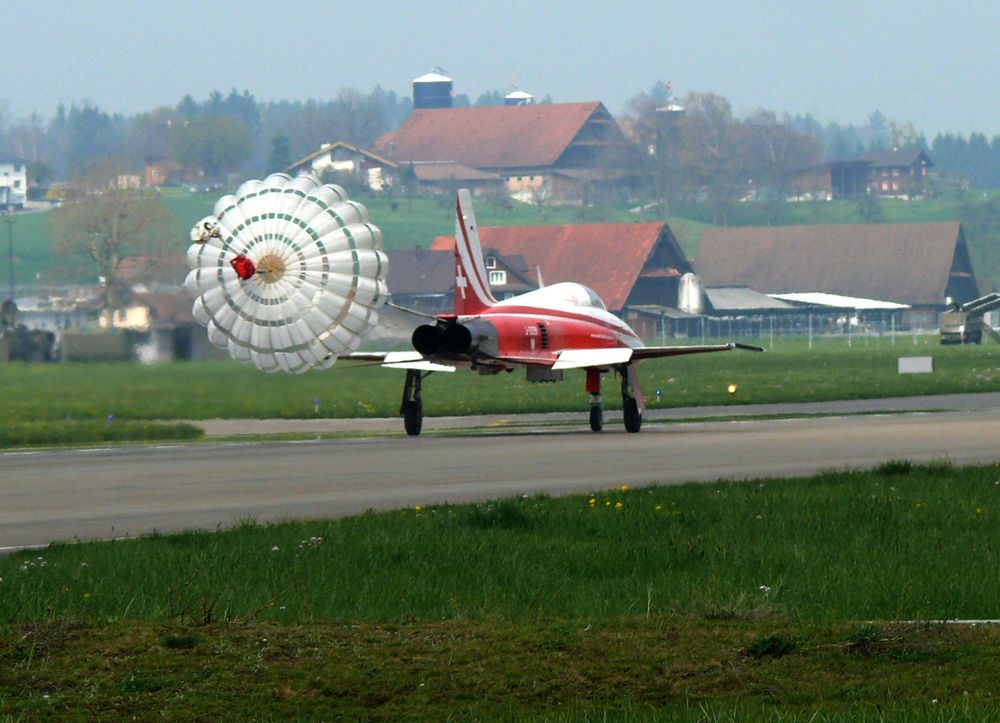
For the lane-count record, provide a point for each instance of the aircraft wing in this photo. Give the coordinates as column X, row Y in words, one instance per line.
column 582, row 358
column 653, row 352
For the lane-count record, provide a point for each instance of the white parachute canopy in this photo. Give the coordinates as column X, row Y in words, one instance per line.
column 287, row 273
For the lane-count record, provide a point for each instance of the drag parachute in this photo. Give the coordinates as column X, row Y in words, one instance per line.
column 287, row 273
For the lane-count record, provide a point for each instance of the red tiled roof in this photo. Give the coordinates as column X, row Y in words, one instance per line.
column 520, row 136
column 606, row 257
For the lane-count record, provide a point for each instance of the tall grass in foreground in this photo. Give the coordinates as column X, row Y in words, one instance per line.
column 901, row 542
column 791, row 372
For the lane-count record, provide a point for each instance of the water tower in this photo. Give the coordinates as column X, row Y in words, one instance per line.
column 518, row 97
column 432, row 90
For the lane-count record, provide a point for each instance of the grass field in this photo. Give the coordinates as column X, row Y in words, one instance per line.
column 791, row 372
column 775, row 599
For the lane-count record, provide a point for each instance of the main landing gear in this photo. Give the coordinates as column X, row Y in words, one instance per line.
column 412, row 406
column 631, row 410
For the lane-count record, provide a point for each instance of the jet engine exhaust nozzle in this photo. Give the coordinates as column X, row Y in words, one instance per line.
column 457, row 339
column 427, row 339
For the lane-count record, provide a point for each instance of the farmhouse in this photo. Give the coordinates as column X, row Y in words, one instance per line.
column 922, row 265
column 555, row 149
column 897, row 174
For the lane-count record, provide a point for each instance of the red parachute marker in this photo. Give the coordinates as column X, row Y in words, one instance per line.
column 243, row 267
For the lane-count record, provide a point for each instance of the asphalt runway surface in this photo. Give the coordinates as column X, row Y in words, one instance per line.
column 67, row 495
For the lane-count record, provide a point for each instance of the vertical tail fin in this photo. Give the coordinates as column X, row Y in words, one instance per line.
column 472, row 289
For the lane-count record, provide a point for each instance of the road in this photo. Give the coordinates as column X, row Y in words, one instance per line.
column 70, row 495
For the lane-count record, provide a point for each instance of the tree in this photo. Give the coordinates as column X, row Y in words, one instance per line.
column 281, row 154
column 213, row 143
column 108, row 220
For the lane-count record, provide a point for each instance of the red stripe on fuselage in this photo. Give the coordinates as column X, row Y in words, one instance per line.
column 542, row 313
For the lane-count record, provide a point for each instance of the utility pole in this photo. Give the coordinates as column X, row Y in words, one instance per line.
column 9, row 220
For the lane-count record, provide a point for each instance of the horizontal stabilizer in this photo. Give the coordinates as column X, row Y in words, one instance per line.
column 413, row 360
column 581, row 358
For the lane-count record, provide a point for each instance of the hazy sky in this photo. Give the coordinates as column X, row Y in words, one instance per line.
column 935, row 64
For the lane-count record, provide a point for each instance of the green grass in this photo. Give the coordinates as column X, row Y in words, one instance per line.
column 49, row 432
column 724, row 601
column 791, row 372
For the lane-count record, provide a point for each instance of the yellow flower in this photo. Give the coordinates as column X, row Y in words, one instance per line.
column 618, row 505
column 418, row 508
column 659, row 507
column 979, row 510
column 607, row 503
column 624, row 488
column 591, row 502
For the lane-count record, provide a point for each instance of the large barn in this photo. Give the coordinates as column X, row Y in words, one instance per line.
column 923, row 265
column 551, row 146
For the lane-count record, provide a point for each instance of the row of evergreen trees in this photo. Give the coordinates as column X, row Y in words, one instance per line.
column 236, row 132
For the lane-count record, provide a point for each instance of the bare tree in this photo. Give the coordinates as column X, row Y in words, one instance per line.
column 109, row 219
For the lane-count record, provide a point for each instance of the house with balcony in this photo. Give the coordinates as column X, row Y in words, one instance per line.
column 13, row 183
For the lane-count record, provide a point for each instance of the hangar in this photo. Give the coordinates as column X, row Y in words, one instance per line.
column 921, row 265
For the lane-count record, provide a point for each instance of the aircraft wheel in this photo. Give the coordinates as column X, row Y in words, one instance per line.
column 596, row 418
column 633, row 417
column 413, row 417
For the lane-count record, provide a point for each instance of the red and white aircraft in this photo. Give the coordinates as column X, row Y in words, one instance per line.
column 548, row 330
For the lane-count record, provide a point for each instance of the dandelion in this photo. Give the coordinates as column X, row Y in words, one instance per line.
column 919, row 505
column 86, row 595
column 618, row 505
column 418, row 507
column 979, row 510
column 624, row 488
column 659, row 507
column 607, row 503
column 591, row 502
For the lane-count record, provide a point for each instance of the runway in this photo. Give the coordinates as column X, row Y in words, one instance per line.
column 70, row 495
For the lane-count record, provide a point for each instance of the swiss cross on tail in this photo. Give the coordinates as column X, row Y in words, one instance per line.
column 472, row 289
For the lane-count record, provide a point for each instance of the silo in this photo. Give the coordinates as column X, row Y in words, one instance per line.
column 432, row 90
column 689, row 294
column 518, row 97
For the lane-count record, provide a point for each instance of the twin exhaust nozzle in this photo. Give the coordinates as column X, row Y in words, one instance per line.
column 431, row 339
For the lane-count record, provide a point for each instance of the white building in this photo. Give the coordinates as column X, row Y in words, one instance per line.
column 13, row 183
column 373, row 170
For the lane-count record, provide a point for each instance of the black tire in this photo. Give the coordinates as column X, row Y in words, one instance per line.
column 596, row 418
column 633, row 418
column 413, row 417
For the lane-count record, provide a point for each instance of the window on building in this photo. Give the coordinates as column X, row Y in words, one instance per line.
column 895, row 172
column 498, row 278
column 491, row 262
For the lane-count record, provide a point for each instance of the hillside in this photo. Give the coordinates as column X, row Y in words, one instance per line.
column 409, row 223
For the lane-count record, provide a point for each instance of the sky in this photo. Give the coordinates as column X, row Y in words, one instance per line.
column 935, row 64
